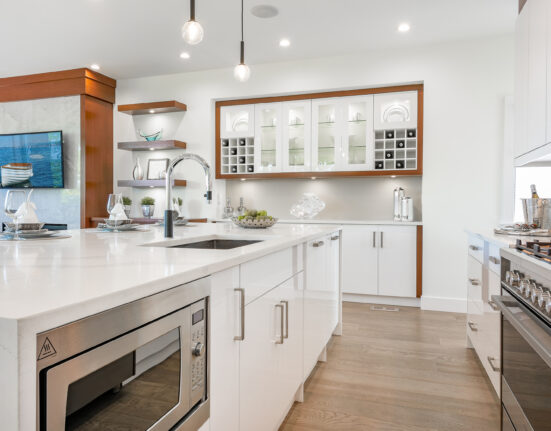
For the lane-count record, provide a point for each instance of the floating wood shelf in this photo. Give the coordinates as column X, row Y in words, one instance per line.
column 153, row 108
column 152, row 145
column 149, row 183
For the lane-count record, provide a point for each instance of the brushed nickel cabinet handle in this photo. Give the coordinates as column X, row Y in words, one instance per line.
column 280, row 341
column 490, row 361
column 241, row 335
column 493, row 305
column 494, row 260
column 474, row 281
column 472, row 325
column 374, row 233
column 474, row 248
column 318, row 244
column 382, row 240
column 286, row 305
column 334, row 237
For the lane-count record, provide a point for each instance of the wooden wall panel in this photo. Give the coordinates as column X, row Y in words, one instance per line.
column 97, row 147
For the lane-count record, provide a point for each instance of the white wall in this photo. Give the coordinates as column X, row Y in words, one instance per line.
column 43, row 115
column 465, row 86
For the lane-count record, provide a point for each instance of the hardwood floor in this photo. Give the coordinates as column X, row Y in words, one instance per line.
column 406, row 370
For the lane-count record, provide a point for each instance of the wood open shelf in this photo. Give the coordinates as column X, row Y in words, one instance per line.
column 149, row 183
column 157, row 107
column 152, row 145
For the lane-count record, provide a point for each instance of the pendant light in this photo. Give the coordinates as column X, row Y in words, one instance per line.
column 242, row 71
column 192, row 31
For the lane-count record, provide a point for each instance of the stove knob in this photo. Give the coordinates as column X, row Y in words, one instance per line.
column 544, row 298
column 524, row 287
column 198, row 349
column 535, row 292
column 515, row 278
column 508, row 277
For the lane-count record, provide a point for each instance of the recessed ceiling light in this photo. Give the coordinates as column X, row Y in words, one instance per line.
column 404, row 27
column 284, row 43
column 185, row 55
column 264, row 11
column 94, row 67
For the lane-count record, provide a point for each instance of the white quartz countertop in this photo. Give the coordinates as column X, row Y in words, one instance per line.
column 93, row 271
column 342, row 222
column 505, row 240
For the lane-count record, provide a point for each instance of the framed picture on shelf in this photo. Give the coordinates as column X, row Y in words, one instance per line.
column 156, row 168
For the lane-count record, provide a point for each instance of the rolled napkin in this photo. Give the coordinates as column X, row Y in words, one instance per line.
column 26, row 213
column 117, row 213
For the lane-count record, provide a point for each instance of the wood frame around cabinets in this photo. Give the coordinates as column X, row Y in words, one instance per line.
column 97, row 96
column 322, row 95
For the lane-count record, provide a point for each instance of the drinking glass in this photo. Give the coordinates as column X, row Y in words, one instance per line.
column 114, row 199
column 13, row 202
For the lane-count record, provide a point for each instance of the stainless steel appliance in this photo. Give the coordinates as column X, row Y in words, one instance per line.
column 398, row 195
column 537, row 213
column 525, row 305
column 141, row 366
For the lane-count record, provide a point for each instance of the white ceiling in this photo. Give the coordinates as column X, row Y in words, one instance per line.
column 133, row 38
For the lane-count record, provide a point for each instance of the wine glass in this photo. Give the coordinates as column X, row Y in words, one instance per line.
column 13, row 208
column 113, row 200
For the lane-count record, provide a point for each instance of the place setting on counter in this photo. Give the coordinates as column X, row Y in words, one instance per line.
column 25, row 224
column 118, row 221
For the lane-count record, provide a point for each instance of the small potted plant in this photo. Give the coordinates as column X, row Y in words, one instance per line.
column 148, row 206
column 127, row 202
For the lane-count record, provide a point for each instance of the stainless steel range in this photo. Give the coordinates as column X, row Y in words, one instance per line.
column 140, row 366
column 525, row 304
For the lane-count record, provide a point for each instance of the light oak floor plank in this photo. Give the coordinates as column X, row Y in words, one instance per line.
column 397, row 371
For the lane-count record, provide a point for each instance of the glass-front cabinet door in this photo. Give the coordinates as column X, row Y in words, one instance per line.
column 327, row 145
column 267, row 154
column 297, row 136
column 358, row 137
column 237, row 121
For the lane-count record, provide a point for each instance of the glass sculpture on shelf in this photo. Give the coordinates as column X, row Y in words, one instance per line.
column 152, row 136
column 308, row 206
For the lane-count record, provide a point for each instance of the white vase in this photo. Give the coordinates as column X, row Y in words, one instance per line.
column 137, row 173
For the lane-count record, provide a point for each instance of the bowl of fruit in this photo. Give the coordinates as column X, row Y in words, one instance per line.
column 254, row 219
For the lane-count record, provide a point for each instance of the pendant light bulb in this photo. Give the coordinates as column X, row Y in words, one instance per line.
column 242, row 72
column 192, row 31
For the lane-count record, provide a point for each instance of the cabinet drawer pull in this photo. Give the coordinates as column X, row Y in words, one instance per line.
column 286, row 305
column 474, row 281
column 334, row 237
column 318, row 244
column 472, row 325
column 493, row 305
column 280, row 340
column 374, row 233
column 490, row 361
column 494, row 260
column 474, row 248
column 381, row 239
column 241, row 335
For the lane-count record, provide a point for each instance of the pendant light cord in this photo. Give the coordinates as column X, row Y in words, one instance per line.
column 242, row 38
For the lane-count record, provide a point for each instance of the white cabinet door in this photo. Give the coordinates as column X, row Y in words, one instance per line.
column 297, row 136
column 333, row 280
column 327, row 139
column 397, row 261
column 358, row 147
column 395, row 110
column 548, row 56
column 290, row 359
column 360, row 259
column 268, row 136
column 522, row 34
column 224, row 356
column 537, row 74
column 259, row 388
column 237, row 121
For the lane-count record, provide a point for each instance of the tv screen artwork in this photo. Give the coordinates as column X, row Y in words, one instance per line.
column 31, row 160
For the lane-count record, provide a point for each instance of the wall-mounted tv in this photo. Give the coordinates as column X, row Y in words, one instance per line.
column 31, row 160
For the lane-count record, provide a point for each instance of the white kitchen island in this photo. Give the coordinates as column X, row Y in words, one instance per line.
column 49, row 283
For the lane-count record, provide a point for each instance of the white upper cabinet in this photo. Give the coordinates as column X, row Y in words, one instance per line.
column 548, row 131
column 327, row 131
column 297, row 136
column 395, row 110
column 237, row 121
column 521, row 81
column 267, row 142
column 358, row 149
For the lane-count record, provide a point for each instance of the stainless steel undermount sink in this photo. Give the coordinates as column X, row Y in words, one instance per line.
column 217, row 244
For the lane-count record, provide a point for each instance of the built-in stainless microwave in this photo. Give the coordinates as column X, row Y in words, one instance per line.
column 140, row 366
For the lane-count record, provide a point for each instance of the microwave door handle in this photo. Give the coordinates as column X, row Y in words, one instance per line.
column 542, row 345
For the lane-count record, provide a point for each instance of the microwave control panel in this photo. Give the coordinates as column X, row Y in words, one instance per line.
column 198, row 350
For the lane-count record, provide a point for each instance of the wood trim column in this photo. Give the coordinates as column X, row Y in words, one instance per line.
column 419, row 262
column 521, row 4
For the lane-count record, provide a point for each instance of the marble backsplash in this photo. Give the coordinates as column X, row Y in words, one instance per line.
column 61, row 113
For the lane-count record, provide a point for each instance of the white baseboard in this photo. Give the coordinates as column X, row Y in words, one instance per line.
column 385, row 300
column 454, row 305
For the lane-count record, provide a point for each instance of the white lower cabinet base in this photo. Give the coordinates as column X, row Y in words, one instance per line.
column 384, row 300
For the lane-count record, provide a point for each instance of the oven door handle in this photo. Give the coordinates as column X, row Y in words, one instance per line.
column 541, row 344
